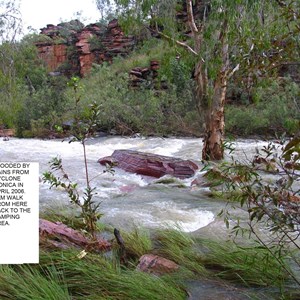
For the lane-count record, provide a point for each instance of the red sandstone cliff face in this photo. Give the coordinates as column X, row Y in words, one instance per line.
column 52, row 54
column 74, row 49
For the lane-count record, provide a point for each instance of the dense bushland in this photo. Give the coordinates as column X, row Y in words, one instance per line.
column 272, row 108
column 33, row 102
column 148, row 109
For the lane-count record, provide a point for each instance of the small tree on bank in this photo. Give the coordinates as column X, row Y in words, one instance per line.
column 223, row 37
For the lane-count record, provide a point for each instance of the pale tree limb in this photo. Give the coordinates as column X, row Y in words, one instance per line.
column 190, row 15
column 196, row 32
column 192, row 24
column 235, row 69
column 182, row 44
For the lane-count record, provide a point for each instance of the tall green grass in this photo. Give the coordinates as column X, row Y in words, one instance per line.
column 180, row 248
column 137, row 242
column 250, row 266
column 94, row 277
column 30, row 283
column 275, row 109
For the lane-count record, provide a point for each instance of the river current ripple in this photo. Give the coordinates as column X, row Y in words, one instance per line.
column 129, row 200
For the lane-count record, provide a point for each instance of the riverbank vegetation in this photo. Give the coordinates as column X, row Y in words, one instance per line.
column 258, row 101
column 271, row 108
column 67, row 274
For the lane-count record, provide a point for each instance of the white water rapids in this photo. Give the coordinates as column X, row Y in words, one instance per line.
column 128, row 199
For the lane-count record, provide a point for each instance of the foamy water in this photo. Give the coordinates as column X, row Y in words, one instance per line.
column 126, row 199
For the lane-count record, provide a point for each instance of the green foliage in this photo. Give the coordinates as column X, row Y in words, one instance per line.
column 178, row 72
column 150, row 49
column 43, row 108
column 130, row 110
column 94, row 277
column 248, row 265
column 95, row 43
column 28, row 282
column 137, row 242
column 245, row 120
column 272, row 205
column 64, row 275
column 38, row 38
column 180, row 248
column 66, row 29
column 82, row 128
column 28, row 95
column 276, row 110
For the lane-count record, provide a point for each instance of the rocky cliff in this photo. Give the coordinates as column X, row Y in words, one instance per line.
column 70, row 48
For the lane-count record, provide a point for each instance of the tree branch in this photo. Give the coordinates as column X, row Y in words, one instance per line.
column 236, row 68
column 190, row 15
column 182, row 44
column 194, row 29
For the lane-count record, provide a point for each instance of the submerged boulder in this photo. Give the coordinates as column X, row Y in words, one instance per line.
column 150, row 164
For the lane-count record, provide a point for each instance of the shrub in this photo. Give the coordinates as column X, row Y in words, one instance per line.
column 130, row 110
column 276, row 110
column 272, row 205
column 242, row 120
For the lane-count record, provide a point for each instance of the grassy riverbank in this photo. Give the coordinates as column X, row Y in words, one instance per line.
column 73, row 274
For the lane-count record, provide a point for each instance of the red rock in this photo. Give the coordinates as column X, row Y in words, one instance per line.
column 7, row 132
column 113, row 24
column 62, row 236
column 92, row 44
column 154, row 65
column 155, row 264
column 52, row 54
column 136, row 73
column 150, row 164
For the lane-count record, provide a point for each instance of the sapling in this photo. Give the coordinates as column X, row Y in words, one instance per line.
column 83, row 127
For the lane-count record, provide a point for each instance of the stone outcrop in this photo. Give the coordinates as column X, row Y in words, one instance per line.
column 54, row 55
column 150, row 164
column 71, row 48
column 6, row 132
column 147, row 77
column 58, row 235
column 157, row 265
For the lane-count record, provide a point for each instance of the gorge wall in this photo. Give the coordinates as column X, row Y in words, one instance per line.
column 71, row 48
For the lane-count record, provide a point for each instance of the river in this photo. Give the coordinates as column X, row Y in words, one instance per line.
column 129, row 199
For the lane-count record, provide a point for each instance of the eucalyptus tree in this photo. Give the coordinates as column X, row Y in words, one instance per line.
column 10, row 28
column 224, row 37
column 10, row 20
column 106, row 9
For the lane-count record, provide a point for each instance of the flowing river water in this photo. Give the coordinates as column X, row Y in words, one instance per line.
column 129, row 200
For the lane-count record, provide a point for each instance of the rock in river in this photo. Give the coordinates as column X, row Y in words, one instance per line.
column 150, row 164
